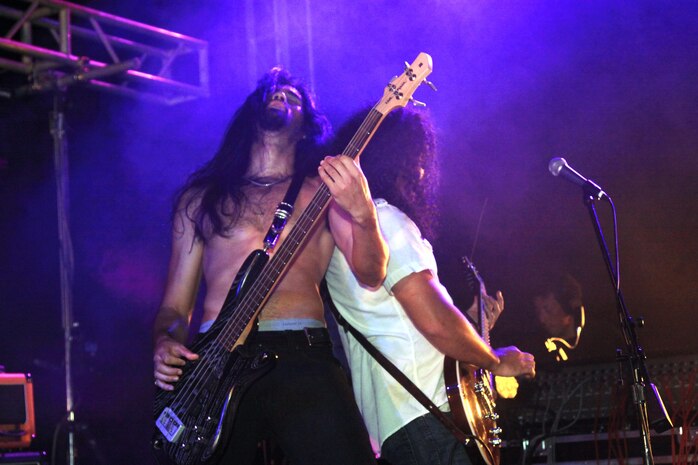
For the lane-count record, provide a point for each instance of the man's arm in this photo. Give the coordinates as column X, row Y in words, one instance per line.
column 172, row 321
column 446, row 328
column 353, row 219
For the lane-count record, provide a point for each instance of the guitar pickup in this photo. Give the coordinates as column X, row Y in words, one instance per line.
column 170, row 425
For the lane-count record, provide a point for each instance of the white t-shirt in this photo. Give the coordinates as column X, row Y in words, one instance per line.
column 385, row 405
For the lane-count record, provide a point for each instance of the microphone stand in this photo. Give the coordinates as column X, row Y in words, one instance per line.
column 634, row 354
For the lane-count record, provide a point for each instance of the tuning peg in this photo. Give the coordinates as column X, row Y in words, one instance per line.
column 430, row 84
column 409, row 72
column 417, row 103
column 392, row 79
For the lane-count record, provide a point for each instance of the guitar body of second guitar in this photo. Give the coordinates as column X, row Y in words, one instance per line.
column 471, row 398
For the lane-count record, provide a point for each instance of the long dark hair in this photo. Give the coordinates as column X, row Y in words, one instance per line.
column 205, row 195
column 400, row 163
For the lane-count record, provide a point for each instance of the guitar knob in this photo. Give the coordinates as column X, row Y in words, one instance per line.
column 495, row 431
column 495, row 441
column 479, row 387
column 430, row 84
column 492, row 416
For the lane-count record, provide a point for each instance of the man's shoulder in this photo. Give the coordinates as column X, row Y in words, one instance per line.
column 389, row 214
column 386, row 207
column 188, row 201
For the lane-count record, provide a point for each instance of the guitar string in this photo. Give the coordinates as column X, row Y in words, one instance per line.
column 234, row 326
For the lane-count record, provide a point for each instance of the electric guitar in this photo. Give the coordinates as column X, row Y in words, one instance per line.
column 193, row 422
column 470, row 389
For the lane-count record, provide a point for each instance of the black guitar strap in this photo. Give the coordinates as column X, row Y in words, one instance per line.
column 284, row 211
column 395, row 372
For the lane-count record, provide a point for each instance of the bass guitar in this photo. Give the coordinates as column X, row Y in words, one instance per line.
column 470, row 389
column 193, row 422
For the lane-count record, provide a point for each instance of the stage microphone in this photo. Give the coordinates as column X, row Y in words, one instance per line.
column 559, row 167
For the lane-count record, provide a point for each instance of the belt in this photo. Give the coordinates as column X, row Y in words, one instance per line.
column 311, row 337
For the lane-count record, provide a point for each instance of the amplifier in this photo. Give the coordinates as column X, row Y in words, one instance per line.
column 17, row 427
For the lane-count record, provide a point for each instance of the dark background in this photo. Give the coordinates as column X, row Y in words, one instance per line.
column 611, row 86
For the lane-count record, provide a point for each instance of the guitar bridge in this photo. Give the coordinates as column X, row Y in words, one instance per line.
column 170, row 425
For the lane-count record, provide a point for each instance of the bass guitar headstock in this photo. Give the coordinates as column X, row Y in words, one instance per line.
column 400, row 89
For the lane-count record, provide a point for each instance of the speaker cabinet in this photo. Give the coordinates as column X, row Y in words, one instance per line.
column 17, row 427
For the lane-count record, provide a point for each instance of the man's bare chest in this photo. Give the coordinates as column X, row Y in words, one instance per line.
column 256, row 211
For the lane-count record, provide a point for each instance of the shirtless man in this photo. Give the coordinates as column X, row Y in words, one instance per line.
column 222, row 214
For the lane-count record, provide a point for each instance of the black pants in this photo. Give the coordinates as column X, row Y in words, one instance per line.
column 304, row 404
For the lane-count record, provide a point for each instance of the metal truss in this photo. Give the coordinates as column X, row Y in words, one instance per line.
column 58, row 44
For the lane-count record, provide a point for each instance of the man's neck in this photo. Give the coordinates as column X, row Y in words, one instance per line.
column 273, row 155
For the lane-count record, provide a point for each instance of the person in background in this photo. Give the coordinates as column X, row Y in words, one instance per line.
column 560, row 312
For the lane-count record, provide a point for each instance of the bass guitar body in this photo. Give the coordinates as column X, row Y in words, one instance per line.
column 195, row 420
